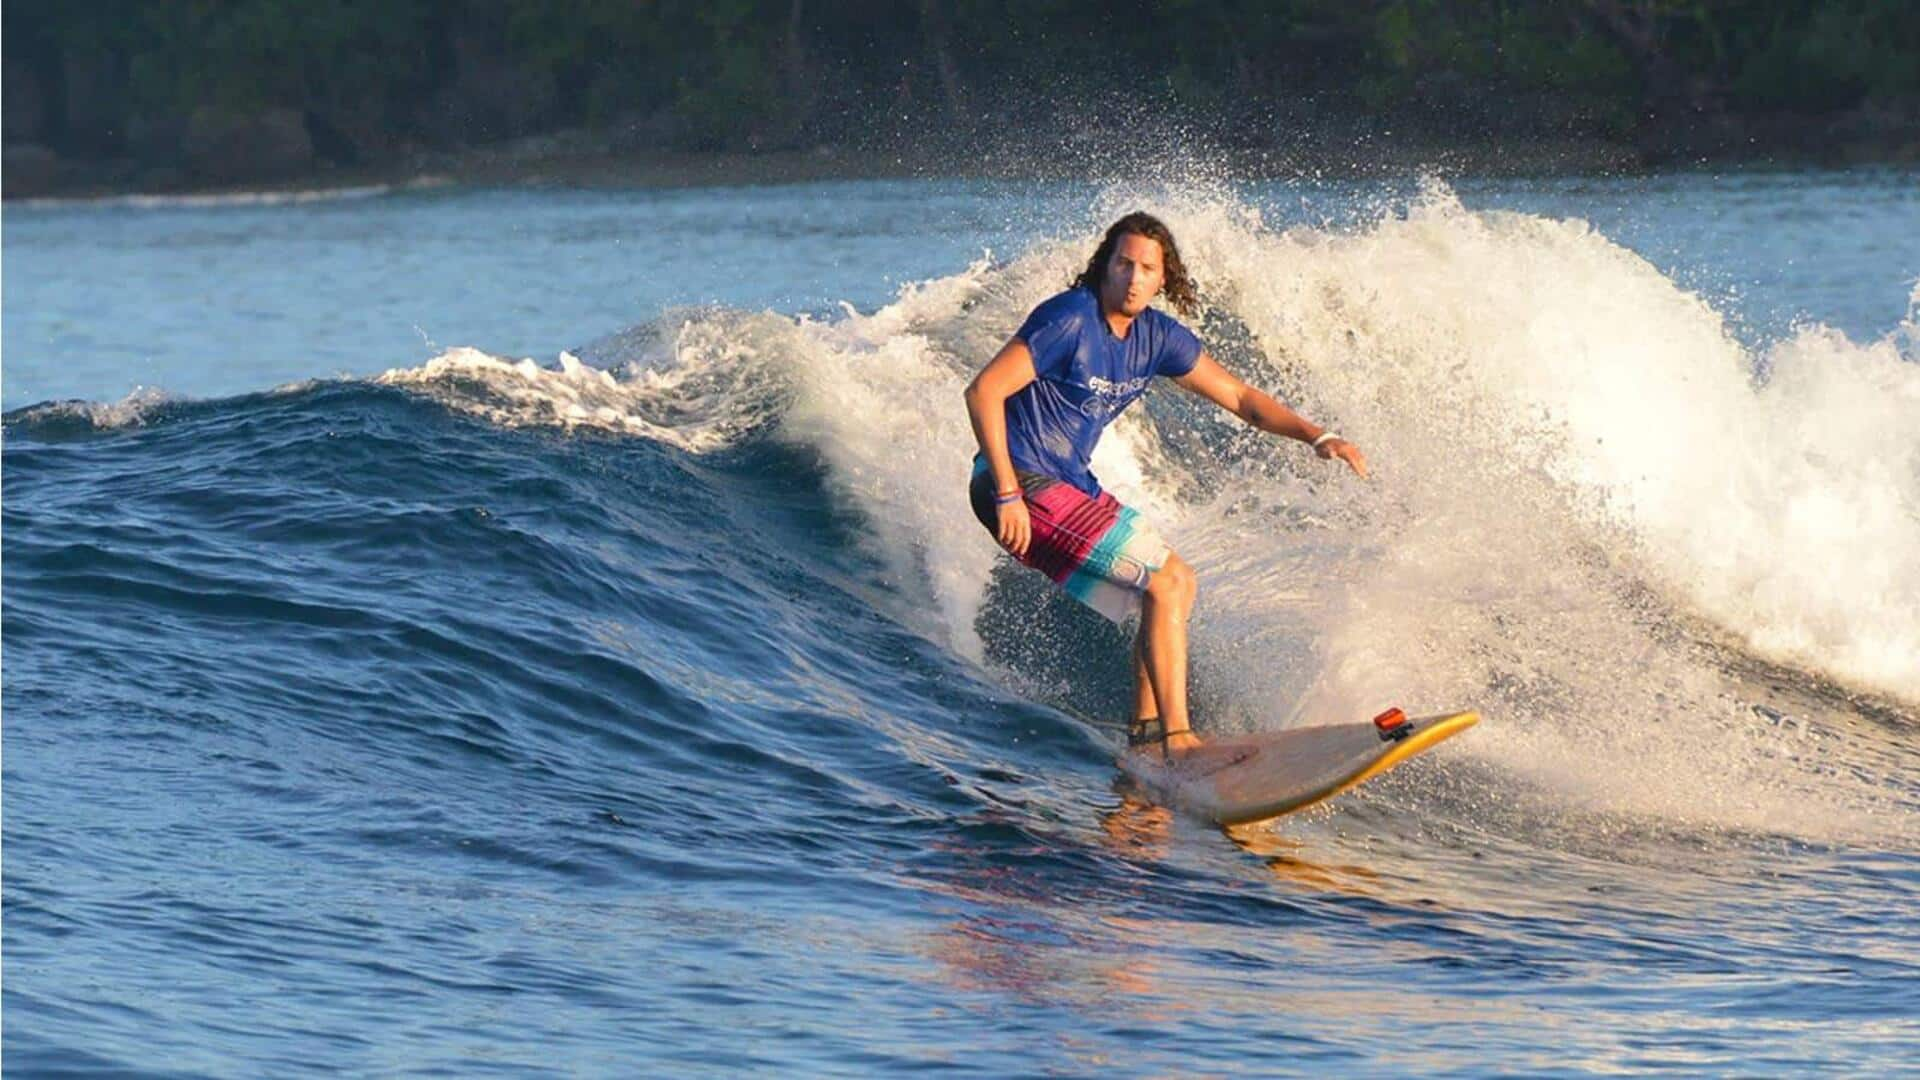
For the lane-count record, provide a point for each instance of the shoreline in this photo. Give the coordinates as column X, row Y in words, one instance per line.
column 584, row 160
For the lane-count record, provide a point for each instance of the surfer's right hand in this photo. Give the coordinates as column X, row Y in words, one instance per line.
column 1338, row 447
column 1016, row 528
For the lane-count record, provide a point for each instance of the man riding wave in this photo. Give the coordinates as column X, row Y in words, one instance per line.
column 1039, row 408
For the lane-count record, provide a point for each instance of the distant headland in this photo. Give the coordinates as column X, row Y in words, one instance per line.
column 106, row 99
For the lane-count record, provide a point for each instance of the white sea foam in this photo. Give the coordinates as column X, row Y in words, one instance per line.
column 1574, row 462
column 286, row 197
column 130, row 411
column 1496, row 356
column 702, row 383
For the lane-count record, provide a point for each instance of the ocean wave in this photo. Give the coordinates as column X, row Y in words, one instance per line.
column 1595, row 516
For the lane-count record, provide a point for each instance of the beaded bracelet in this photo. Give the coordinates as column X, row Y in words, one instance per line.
column 1006, row 497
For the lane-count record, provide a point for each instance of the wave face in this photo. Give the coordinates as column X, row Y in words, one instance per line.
column 666, row 703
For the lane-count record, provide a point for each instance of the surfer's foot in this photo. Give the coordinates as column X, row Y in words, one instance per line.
column 1181, row 741
column 1149, row 732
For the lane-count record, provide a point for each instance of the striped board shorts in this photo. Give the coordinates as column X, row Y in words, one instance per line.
column 1097, row 550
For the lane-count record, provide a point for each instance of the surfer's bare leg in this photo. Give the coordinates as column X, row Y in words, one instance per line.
column 1165, row 609
column 1145, row 707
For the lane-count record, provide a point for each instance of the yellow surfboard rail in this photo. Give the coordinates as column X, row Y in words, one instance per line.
column 1431, row 730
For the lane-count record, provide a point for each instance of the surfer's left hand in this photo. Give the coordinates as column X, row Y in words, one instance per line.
column 1345, row 451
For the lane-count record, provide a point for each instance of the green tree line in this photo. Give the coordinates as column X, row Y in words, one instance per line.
column 100, row 77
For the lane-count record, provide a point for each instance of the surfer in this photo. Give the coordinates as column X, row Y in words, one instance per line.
column 1038, row 409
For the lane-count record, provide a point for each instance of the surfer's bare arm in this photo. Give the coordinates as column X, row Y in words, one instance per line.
column 1258, row 409
column 1005, row 375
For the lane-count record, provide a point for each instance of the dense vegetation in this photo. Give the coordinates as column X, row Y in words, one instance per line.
column 97, row 78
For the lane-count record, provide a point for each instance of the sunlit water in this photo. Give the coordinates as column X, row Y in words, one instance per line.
column 386, row 691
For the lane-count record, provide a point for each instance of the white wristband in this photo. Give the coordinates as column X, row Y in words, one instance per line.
column 1325, row 437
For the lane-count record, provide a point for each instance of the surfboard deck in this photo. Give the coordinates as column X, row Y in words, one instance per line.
column 1236, row 779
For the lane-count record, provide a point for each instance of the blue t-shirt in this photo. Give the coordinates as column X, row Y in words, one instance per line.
column 1085, row 378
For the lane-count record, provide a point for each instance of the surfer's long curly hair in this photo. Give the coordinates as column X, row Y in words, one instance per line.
column 1178, row 287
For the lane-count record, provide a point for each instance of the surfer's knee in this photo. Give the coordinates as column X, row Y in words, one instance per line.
column 1174, row 582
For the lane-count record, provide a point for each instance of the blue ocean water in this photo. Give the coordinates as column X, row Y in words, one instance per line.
column 378, row 701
